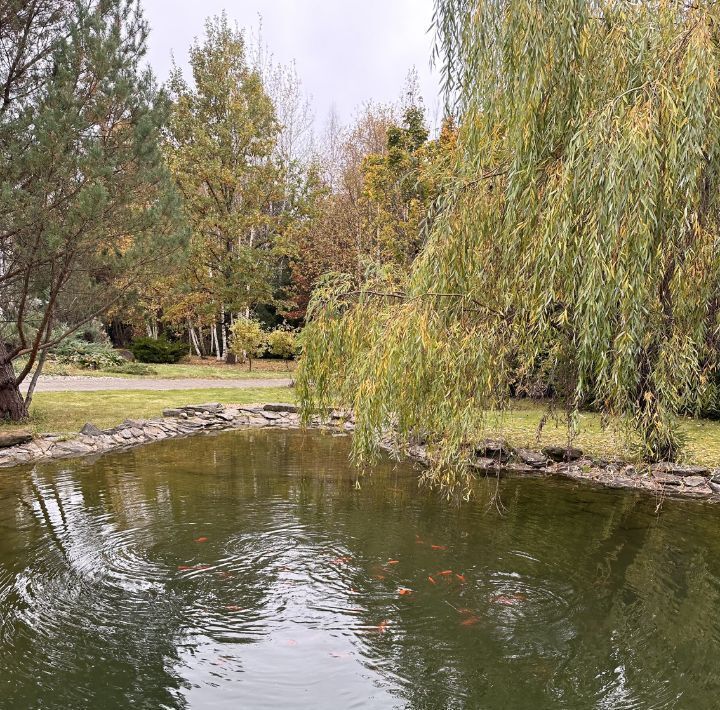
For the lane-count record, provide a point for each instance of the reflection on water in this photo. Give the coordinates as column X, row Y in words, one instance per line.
column 245, row 570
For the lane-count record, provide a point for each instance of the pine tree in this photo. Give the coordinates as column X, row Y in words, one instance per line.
column 88, row 210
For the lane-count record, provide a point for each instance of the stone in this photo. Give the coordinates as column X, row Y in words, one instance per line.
column 715, row 483
column 666, row 479
column 210, row 407
column 13, row 438
column 172, row 412
column 562, row 453
column 678, row 469
column 91, row 430
column 136, row 431
column 271, row 416
column 694, row 481
column 226, row 416
column 125, row 354
column 532, row 458
column 279, row 407
column 497, row 449
column 126, row 434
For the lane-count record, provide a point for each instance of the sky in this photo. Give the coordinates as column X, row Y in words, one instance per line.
column 346, row 51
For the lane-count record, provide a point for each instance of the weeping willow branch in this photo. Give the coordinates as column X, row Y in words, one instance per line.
column 577, row 247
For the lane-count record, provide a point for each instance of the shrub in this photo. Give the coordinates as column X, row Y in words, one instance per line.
column 282, row 343
column 247, row 339
column 91, row 356
column 158, row 351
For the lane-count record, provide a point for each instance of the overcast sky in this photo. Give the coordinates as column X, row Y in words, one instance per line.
column 346, row 51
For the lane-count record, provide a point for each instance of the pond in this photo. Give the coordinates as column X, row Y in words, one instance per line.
column 248, row 570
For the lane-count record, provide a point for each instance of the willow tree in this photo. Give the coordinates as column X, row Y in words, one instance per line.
column 576, row 246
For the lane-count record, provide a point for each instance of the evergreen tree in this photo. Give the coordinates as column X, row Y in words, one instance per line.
column 87, row 210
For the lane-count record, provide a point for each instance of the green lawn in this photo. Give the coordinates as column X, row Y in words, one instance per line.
column 69, row 411
column 183, row 371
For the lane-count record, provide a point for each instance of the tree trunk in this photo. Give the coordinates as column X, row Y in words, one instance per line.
column 35, row 378
column 12, row 405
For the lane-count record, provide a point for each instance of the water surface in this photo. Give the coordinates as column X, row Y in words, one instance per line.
column 247, row 570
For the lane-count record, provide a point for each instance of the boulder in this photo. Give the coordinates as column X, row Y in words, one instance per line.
column 562, row 453
column 532, row 458
column 125, row 354
column 13, row 438
column 694, row 481
column 678, row 469
column 496, row 449
column 90, row 430
column 280, row 407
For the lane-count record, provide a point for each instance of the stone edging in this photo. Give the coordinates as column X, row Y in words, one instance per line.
column 176, row 423
column 492, row 458
column 498, row 458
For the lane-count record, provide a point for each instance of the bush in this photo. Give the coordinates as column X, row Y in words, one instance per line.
column 247, row 339
column 158, row 351
column 90, row 356
column 282, row 343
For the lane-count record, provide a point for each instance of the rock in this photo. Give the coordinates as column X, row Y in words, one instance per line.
column 279, row 407
column 271, row 416
column 562, row 453
column 172, row 412
column 125, row 354
column 666, row 479
column 678, row 469
column 90, row 430
column 13, row 438
column 226, row 416
column 210, row 407
column 694, row 481
column 496, row 449
column 532, row 458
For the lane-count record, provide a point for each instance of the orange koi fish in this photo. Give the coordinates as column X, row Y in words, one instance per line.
column 404, row 591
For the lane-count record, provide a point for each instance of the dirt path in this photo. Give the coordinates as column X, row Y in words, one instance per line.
column 100, row 384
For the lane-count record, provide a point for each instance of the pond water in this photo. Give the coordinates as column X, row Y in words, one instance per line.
column 247, row 570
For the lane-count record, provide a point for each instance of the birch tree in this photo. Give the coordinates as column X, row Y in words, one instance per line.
column 222, row 152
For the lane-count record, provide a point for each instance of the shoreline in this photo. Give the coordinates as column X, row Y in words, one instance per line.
column 494, row 458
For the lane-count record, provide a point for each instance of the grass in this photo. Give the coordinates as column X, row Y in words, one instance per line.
column 520, row 426
column 193, row 368
column 69, row 411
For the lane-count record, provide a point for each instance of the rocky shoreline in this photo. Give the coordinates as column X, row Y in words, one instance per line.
column 491, row 458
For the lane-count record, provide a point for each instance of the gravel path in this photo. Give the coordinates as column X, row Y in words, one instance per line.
column 100, row 384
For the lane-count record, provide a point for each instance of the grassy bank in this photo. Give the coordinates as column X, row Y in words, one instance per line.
column 520, row 426
column 69, row 411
